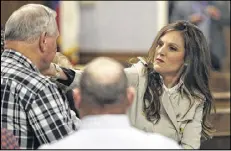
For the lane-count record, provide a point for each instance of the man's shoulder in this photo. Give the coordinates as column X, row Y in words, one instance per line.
column 27, row 78
column 68, row 142
column 155, row 140
column 116, row 139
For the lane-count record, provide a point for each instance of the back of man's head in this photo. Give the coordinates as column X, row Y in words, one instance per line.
column 2, row 39
column 104, row 85
column 29, row 21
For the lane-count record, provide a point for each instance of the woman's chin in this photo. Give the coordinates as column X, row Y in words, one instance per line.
column 157, row 68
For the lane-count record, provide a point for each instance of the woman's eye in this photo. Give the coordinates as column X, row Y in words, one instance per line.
column 173, row 48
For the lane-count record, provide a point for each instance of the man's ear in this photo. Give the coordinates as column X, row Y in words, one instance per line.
column 130, row 95
column 42, row 41
column 76, row 97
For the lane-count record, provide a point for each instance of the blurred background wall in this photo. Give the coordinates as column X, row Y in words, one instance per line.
column 124, row 26
column 127, row 27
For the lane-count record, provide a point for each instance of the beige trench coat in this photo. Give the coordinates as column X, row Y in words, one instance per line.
column 179, row 120
column 182, row 123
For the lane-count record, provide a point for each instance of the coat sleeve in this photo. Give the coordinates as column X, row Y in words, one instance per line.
column 73, row 77
column 132, row 76
column 74, row 80
column 192, row 131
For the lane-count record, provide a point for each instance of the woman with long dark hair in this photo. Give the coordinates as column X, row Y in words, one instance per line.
column 172, row 83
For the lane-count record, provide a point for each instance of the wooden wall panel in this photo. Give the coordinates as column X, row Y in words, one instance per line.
column 7, row 7
column 123, row 58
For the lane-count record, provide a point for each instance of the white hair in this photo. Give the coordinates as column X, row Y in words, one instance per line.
column 29, row 21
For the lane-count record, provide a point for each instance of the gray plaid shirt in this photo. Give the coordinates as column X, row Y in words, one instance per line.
column 32, row 106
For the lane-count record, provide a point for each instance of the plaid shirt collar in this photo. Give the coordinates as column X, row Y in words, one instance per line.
column 20, row 58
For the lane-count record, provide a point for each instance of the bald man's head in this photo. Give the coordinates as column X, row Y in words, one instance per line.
column 104, row 70
column 103, row 82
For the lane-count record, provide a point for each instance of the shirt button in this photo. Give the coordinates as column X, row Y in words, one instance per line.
column 181, row 130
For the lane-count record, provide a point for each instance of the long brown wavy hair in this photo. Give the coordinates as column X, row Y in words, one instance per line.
column 196, row 75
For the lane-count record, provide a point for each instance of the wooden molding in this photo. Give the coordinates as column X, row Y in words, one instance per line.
column 7, row 8
column 122, row 57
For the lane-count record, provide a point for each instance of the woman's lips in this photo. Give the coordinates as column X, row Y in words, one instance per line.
column 159, row 60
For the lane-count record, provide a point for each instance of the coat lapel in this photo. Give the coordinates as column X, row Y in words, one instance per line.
column 169, row 110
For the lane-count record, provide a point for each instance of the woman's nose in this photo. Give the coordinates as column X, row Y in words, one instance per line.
column 162, row 51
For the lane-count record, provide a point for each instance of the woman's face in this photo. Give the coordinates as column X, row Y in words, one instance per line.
column 169, row 55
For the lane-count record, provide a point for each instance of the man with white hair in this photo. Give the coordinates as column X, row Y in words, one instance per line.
column 32, row 106
column 2, row 39
column 103, row 99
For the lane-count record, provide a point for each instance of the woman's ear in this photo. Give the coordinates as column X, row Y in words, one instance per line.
column 76, row 97
column 42, row 42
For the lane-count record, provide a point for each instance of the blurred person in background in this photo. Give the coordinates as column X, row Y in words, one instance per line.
column 32, row 106
column 211, row 17
column 170, row 8
column 103, row 99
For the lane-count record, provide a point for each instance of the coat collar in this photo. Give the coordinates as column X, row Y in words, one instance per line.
column 169, row 109
column 166, row 102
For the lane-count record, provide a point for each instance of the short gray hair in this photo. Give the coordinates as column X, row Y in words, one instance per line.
column 2, row 39
column 103, row 82
column 29, row 21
